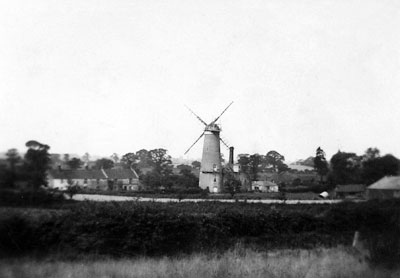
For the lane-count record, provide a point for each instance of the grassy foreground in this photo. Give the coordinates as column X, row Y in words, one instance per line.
column 335, row 262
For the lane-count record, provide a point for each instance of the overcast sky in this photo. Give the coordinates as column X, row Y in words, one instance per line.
column 115, row 76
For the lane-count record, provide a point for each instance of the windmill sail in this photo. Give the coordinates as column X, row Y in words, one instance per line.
column 224, row 142
column 200, row 119
column 216, row 119
column 194, row 143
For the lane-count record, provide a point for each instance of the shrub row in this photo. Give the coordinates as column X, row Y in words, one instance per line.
column 131, row 228
column 41, row 198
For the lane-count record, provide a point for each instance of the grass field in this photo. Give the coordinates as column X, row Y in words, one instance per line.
column 335, row 262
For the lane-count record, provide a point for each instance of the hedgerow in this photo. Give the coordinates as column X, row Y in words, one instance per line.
column 136, row 228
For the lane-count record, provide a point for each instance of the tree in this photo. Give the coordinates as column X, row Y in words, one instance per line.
column 161, row 161
column 74, row 163
column 244, row 162
column 86, row 157
column 143, row 157
column 389, row 165
column 184, row 167
column 374, row 167
column 282, row 167
column 254, row 164
column 104, row 163
column 72, row 189
column 196, row 164
column 231, row 184
column 346, row 168
column 152, row 180
column 274, row 158
column 55, row 160
column 13, row 158
column 66, row 157
column 37, row 160
column 371, row 153
column 5, row 176
column 320, row 163
column 115, row 157
column 251, row 165
column 187, row 179
column 296, row 182
column 130, row 160
column 9, row 174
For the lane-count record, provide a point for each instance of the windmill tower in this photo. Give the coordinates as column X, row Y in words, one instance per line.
column 211, row 168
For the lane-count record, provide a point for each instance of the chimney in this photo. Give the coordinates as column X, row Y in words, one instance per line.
column 231, row 155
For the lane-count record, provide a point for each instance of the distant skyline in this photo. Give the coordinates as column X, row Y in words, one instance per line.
column 115, row 76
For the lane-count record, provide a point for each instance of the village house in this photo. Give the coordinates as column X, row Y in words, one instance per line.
column 385, row 188
column 122, row 179
column 103, row 179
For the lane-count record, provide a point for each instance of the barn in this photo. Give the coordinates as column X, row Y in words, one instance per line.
column 385, row 188
column 350, row 191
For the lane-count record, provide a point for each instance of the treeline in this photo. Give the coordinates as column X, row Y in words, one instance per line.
column 159, row 170
column 156, row 171
column 254, row 164
column 343, row 167
column 131, row 229
column 154, row 167
column 349, row 168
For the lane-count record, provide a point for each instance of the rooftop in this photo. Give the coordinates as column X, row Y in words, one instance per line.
column 387, row 183
column 93, row 174
column 350, row 188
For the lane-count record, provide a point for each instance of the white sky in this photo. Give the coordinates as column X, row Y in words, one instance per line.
column 114, row 76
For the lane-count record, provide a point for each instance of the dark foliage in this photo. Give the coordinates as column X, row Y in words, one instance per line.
column 320, row 163
column 37, row 160
column 74, row 163
column 40, row 198
column 154, row 180
column 129, row 229
column 104, row 163
column 377, row 167
column 345, row 168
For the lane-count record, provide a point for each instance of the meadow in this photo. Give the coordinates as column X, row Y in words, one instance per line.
column 238, row 262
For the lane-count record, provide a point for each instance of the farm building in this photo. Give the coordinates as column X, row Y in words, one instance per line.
column 122, row 179
column 385, row 188
column 264, row 186
column 350, row 191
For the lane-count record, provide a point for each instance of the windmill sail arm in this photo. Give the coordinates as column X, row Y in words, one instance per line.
column 194, row 143
column 224, row 143
column 200, row 119
column 216, row 119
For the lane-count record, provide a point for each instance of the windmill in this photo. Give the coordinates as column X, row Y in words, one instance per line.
column 211, row 170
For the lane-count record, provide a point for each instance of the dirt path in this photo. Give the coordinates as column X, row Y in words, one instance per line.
column 109, row 198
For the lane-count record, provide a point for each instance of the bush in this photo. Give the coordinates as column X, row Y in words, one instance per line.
column 135, row 228
column 30, row 198
column 16, row 235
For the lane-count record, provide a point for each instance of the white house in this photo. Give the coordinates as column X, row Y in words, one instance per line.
column 264, row 186
column 111, row 179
